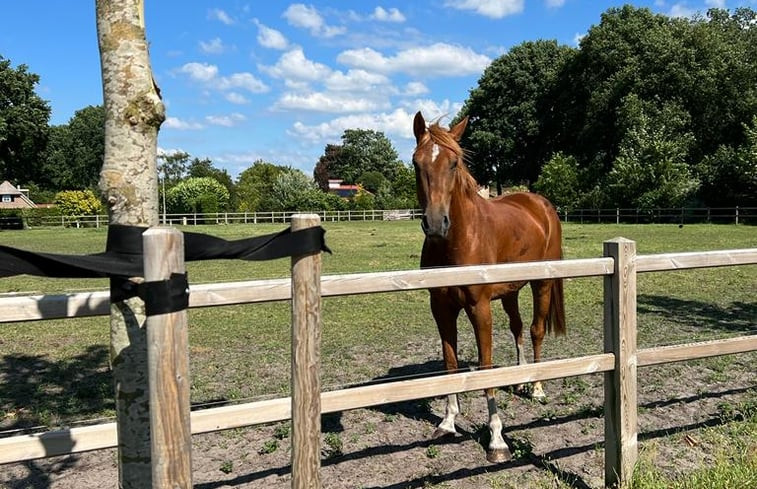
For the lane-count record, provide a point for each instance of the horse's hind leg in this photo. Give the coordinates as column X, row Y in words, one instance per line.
column 542, row 293
column 510, row 305
column 445, row 314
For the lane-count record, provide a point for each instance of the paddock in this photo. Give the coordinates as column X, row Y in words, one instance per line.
column 619, row 268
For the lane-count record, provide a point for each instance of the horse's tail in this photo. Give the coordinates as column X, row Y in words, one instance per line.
column 556, row 316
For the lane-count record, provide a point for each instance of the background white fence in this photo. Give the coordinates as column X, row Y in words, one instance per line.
column 679, row 215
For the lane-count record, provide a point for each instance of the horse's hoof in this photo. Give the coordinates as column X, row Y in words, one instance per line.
column 498, row 455
column 539, row 397
column 441, row 432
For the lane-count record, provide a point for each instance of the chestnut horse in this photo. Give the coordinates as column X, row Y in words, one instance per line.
column 463, row 228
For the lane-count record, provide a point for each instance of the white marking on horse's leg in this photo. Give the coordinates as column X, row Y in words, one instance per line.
column 453, row 409
column 434, row 152
column 521, row 355
column 498, row 449
column 538, row 391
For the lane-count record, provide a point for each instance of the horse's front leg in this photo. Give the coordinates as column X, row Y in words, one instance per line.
column 445, row 314
column 480, row 315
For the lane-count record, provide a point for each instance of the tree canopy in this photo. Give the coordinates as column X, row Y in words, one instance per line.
column 24, row 117
column 653, row 110
column 75, row 151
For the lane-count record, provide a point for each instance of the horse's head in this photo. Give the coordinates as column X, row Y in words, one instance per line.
column 437, row 160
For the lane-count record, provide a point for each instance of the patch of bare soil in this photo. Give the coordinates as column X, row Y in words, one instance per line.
column 389, row 447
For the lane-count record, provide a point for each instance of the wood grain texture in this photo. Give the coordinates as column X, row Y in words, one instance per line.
column 306, row 363
column 168, row 368
column 621, row 424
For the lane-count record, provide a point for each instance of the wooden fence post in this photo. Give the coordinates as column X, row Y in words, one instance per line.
column 621, row 427
column 168, row 368
column 306, row 353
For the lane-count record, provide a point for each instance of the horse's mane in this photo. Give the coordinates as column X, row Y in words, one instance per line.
column 442, row 137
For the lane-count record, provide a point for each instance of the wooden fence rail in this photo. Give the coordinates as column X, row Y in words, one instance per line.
column 619, row 362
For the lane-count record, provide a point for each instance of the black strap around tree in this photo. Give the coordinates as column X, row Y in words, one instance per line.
column 123, row 259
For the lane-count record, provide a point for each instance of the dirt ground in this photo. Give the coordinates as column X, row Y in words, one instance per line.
column 555, row 444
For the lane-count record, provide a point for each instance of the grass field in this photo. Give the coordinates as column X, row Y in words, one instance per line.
column 55, row 373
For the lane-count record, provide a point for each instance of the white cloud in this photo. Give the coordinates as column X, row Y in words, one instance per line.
column 432, row 110
column 214, row 46
column 181, row 125
column 300, row 15
column 294, row 65
column 682, row 10
column 326, row 102
column 236, row 98
column 220, row 15
column 415, row 88
column 225, row 120
column 355, row 81
column 555, row 3
column 270, row 38
column 244, row 80
column 391, row 15
column 200, row 71
column 398, row 123
column 208, row 74
column 439, row 59
column 496, row 9
column 577, row 38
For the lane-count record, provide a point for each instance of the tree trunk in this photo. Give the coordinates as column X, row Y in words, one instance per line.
column 129, row 184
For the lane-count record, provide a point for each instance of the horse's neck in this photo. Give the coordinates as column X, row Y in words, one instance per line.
column 464, row 212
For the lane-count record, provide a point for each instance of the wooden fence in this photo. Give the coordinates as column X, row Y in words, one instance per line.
column 619, row 361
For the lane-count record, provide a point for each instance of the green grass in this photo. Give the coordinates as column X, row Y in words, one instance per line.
column 56, row 372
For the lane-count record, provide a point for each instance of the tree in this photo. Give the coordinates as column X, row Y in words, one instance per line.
column 23, row 124
column 507, row 113
column 362, row 150
column 202, row 195
column 558, row 181
column 729, row 175
column 290, row 190
column 204, row 168
column 651, row 169
column 172, row 167
column 75, row 151
column 254, row 184
column 404, row 195
column 707, row 68
column 322, row 171
column 129, row 184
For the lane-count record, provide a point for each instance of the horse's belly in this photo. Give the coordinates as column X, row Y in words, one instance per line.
column 501, row 290
column 474, row 293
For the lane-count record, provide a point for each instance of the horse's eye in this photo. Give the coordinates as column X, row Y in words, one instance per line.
column 453, row 164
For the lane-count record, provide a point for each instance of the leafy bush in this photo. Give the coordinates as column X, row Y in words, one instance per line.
column 197, row 195
column 78, row 203
column 558, row 180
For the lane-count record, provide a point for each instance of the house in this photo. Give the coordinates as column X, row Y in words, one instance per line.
column 14, row 198
column 342, row 190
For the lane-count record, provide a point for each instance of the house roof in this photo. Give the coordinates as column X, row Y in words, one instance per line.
column 7, row 188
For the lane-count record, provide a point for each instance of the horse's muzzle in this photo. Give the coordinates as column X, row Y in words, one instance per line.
column 435, row 228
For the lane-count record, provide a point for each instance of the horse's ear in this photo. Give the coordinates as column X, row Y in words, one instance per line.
column 419, row 126
column 459, row 129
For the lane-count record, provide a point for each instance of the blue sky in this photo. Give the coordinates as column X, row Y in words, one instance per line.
column 252, row 79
